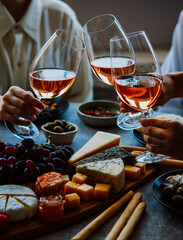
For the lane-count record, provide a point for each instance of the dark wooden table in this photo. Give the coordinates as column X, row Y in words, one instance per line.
column 158, row 222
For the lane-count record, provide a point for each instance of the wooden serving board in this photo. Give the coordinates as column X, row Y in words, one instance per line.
column 33, row 227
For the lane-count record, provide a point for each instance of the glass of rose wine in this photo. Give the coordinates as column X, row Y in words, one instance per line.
column 54, row 69
column 97, row 34
column 139, row 89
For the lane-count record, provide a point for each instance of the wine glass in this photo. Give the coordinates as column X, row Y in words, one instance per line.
column 139, row 89
column 97, row 34
column 54, row 68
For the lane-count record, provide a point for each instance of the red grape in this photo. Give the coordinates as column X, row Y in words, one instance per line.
column 10, row 149
column 28, row 142
column 12, row 160
column 4, row 162
column 30, row 164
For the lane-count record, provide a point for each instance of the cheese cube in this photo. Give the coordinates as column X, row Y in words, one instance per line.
column 132, row 172
column 79, row 178
column 99, row 142
column 72, row 200
column 102, row 191
column 85, row 192
column 142, row 167
column 107, row 171
column 70, row 187
column 65, row 178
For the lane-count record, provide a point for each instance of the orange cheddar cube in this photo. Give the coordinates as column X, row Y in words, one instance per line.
column 72, row 200
column 132, row 172
column 142, row 167
column 79, row 178
column 102, row 191
column 85, row 191
column 70, row 187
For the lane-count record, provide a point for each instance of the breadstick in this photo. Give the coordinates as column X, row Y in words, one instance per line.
column 91, row 227
column 171, row 162
column 136, row 153
column 132, row 222
column 119, row 225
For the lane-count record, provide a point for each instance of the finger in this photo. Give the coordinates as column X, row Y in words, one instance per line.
column 155, row 149
column 154, row 122
column 26, row 96
column 118, row 99
column 32, row 100
column 125, row 108
column 17, row 106
column 20, row 113
column 154, row 132
column 11, row 118
column 154, row 140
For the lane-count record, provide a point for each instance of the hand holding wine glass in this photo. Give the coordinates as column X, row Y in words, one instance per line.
column 16, row 103
column 141, row 89
column 53, row 71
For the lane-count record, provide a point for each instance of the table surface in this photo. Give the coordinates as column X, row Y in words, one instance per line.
column 157, row 223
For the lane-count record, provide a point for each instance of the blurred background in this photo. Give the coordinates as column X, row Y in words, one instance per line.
column 157, row 18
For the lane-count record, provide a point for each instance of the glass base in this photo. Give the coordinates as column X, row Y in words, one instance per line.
column 130, row 121
column 149, row 157
column 23, row 132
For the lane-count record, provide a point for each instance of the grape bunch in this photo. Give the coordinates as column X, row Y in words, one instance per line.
column 21, row 163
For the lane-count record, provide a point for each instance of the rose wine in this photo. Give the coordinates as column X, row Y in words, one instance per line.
column 51, row 83
column 120, row 65
column 139, row 92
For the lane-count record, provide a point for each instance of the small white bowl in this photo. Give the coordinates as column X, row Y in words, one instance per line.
column 98, row 121
column 60, row 138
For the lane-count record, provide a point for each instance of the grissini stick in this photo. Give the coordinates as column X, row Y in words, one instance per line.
column 91, row 227
column 119, row 225
column 132, row 222
column 172, row 163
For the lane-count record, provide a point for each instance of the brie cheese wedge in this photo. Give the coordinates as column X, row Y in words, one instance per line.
column 18, row 202
column 3, row 202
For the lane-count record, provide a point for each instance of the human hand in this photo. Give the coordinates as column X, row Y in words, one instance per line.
column 163, row 136
column 17, row 102
column 166, row 94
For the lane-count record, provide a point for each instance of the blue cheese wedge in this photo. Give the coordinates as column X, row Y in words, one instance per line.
column 107, row 171
column 99, row 142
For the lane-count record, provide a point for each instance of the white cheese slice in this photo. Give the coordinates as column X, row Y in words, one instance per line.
column 99, row 142
column 30, row 204
column 3, row 202
column 14, row 189
column 15, row 210
column 107, row 171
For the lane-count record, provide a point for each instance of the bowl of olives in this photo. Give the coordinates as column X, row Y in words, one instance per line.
column 59, row 131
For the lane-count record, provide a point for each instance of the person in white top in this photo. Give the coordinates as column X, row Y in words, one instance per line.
column 174, row 60
column 25, row 25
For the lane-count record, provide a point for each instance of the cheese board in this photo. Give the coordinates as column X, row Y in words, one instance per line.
column 33, row 227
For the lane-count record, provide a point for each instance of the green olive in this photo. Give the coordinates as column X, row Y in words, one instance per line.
column 49, row 126
column 58, row 129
